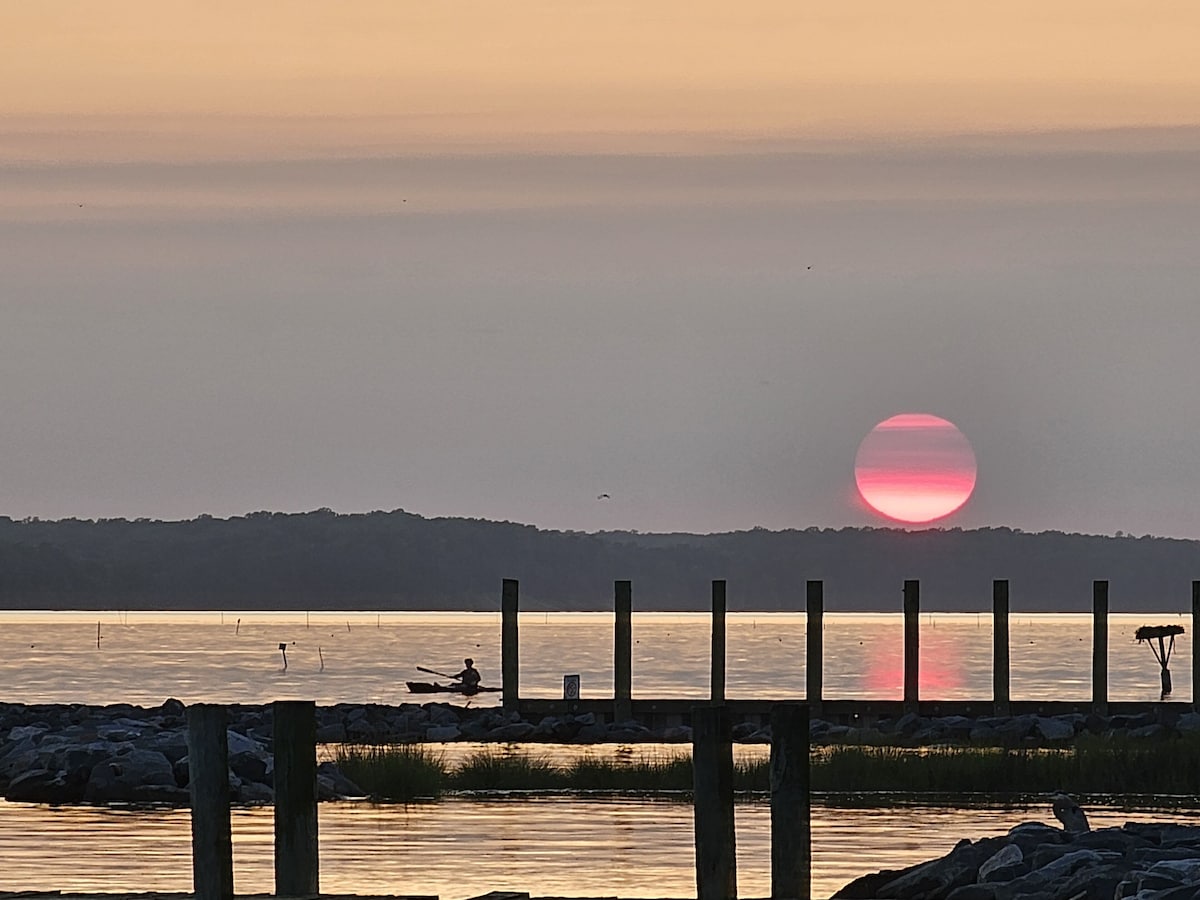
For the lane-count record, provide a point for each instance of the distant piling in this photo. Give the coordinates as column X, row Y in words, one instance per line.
column 912, row 645
column 623, row 651
column 717, row 678
column 296, row 846
column 712, row 793
column 814, row 636
column 1100, row 647
column 791, row 813
column 208, row 772
column 1000, row 647
column 509, row 645
column 1195, row 646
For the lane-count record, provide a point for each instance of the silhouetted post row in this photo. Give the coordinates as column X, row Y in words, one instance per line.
column 791, row 828
column 717, row 679
column 1100, row 647
column 509, row 646
column 1000, row 647
column 814, row 634
column 623, row 652
column 712, row 798
column 912, row 644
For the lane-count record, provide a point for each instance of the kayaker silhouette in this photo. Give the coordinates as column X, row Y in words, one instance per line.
column 469, row 678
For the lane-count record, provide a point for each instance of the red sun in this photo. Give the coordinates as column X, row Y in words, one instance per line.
column 915, row 468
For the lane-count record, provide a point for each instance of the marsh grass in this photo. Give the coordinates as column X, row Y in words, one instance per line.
column 399, row 772
column 505, row 770
column 1092, row 767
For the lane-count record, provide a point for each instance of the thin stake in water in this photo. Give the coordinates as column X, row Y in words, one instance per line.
column 283, row 650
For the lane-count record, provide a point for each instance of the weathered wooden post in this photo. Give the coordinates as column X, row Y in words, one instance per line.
column 623, row 652
column 791, row 838
column 712, row 797
column 912, row 645
column 814, row 636
column 509, row 646
column 717, row 679
column 1000, row 647
column 295, row 744
column 208, row 768
column 1195, row 646
column 1100, row 647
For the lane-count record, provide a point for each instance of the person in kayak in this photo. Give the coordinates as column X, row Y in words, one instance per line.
column 469, row 678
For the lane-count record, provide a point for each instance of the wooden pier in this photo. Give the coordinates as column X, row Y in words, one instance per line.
column 664, row 712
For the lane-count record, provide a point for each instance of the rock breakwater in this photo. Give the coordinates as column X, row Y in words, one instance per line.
column 1035, row 861
column 74, row 753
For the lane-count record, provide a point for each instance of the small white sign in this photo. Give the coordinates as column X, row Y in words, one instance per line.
column 570, row 687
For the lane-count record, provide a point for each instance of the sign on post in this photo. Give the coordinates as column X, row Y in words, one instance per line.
column 570, row 687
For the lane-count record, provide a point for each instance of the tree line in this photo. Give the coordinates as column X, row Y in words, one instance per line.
column 399, row 560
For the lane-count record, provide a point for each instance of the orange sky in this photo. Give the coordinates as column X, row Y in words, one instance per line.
column 480, row 70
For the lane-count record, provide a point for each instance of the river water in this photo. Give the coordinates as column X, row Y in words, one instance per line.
column 460, row 847
column 234, row 657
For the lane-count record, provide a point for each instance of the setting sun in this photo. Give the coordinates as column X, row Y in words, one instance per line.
column 915, row 468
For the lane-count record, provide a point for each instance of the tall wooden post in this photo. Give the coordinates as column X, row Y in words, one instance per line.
column 1195, row 646
column 208, row 768
column 712, row 793
column 623, row 652
column 717, row 679
column 912, row 645
column 791, row 830
column 295, row 743
column 1000, row 647
column 510, row 666
column 814, row 638
column 1100, row 647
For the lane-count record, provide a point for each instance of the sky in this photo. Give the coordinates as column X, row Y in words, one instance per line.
column 498, row 260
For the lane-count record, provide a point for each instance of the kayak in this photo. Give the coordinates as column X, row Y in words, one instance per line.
column 424, row 687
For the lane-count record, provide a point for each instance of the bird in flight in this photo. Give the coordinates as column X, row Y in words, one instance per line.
column 603, row 497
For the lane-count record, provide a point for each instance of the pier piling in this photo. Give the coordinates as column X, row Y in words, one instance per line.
column 912, row 645
column 509, row 646
column 712, row 791
column 1000, row 647
column 623, row 652
column 296, row 854
column 1195, row 646
column 717, row 680
column 791, row 829
column 1100, row 647
column 814, row 634
column 208, row 767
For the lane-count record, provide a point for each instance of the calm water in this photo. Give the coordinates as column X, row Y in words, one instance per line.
column 462, row 847
column 231, row 657
column 459, row 848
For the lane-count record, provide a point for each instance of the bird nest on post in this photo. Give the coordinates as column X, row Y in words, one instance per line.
column 1162, row 652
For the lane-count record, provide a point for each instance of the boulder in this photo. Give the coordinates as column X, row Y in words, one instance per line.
column 114, row 780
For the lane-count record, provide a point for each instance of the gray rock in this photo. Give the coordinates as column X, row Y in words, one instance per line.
column 44, row 786
column 114, row 779
column 438, row 733
column 1054, row 729
column 1006, row 857
column 1188, row 723
column 515, row 731
column 333, row 733
column 239, row 743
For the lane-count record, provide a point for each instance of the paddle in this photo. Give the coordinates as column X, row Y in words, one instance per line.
column 434, row 672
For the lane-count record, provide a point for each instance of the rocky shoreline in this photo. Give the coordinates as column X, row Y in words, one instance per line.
column 1034, row 861
column 74, row 753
